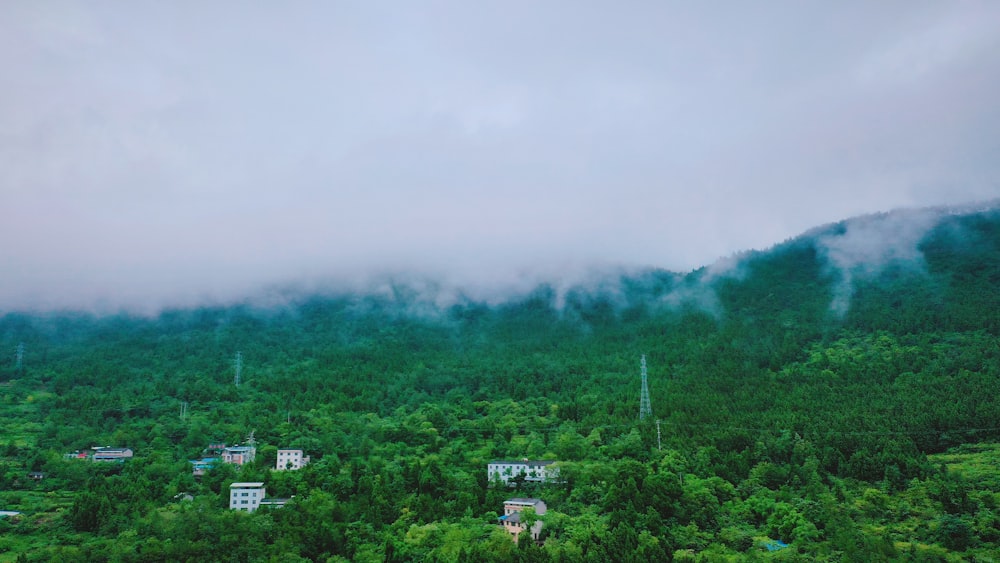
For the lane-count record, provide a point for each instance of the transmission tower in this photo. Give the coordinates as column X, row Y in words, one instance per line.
column 239, row 368
column 644, row 407
column 184, row 410
column 19, row 355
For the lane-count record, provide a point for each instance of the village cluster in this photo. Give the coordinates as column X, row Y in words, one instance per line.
column 249, row 496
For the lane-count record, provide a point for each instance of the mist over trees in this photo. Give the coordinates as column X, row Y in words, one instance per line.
column 834, row 393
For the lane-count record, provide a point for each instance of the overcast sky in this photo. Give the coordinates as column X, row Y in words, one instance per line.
column 175, row 152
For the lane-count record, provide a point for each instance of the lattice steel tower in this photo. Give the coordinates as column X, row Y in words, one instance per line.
column 644, row 407
column 239, row 368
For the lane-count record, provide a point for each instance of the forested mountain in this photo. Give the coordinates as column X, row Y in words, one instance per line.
column 835, row 394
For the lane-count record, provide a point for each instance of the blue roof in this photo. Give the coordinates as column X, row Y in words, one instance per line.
column 206, row 463
column 775, row 545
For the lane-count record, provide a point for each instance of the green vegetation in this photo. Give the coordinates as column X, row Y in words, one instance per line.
column 862, row 434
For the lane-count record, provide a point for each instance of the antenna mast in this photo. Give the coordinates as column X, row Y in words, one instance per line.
column 644, row 407
column 239, row 368
column 19, row 355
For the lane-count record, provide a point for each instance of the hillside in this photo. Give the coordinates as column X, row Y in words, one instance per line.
column 818, row 393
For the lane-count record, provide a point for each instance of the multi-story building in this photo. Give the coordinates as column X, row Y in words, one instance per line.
column 533, row 471
column 246, row 496
column 511, row 519
column 291, row 459
column 238, row 455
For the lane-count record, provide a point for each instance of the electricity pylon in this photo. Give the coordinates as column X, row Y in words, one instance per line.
column 239, row 368
column 644, row 407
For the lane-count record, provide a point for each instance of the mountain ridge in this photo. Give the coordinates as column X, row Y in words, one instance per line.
column 841, row 241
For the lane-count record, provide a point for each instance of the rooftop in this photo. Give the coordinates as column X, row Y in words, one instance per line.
column 524, row 501
column 245, row 485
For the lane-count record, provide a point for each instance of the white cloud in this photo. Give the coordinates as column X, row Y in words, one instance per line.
column 869, row 244
column 159, row 152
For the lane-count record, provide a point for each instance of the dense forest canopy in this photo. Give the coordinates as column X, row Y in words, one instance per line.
column 831, row 398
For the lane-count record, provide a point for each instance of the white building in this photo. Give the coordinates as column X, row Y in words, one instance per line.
column 511, row 519
column 112, row 454
column 275, row 502
column 533, row 471
column 291, row 459
column 246, row 496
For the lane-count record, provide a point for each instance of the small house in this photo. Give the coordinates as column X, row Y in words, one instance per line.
column 200, row 466
column 112, row 454
column 511, row 519
column 274, row 502
column 239, row 455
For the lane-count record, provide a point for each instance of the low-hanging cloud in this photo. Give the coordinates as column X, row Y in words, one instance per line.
column 864, row 246
column 178, row 154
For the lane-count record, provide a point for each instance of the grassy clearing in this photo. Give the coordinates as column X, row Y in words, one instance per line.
column 39, row 511
column 977, row 463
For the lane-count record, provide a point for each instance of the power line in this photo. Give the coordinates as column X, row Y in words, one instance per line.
column 586, row 429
